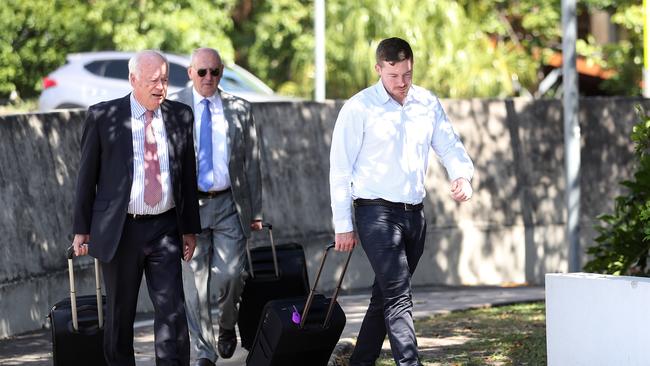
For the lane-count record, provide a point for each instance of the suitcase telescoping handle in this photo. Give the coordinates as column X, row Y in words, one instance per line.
column 73, row 292
column 312, row 291
column 275, row 255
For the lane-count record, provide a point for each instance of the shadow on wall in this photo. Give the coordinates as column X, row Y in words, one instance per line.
column 294, row 142
column 38, row 168
column 512, row 231
column 37, row 186
column 294, row 168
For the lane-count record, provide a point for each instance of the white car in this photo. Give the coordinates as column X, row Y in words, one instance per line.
column 92, row 77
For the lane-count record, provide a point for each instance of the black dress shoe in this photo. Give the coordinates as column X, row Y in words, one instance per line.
column 227, row 342
column 204, row 362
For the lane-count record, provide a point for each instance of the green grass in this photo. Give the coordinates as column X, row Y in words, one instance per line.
column 506, row 335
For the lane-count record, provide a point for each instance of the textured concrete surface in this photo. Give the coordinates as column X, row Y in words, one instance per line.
column 34, row 348
column 512, row 231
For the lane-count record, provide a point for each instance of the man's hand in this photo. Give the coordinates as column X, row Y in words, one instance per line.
column 345, row 242
column 80, row 244
column 256, row 225
column 189, row 244
column 461, row 190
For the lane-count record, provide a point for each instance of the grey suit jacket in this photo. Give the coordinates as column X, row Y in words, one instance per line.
column 244, row 162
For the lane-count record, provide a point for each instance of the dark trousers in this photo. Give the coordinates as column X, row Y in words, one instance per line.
column 393, row 240
column 152, row 246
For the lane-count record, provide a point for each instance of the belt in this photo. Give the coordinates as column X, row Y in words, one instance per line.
column 138, row 217
column 212, row 194
column 383, row 202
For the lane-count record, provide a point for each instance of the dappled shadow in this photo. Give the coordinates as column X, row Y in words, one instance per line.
column 38, row 172
column 607, row 157
column 38, row 167
column 295, row 141
column 511, row 231
column 29, row 349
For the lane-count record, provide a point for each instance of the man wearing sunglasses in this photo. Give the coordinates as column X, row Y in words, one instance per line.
column 230, row 204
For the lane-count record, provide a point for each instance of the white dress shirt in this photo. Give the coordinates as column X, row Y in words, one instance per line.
column 380, row 149
column 136, row 202
column 220, row 153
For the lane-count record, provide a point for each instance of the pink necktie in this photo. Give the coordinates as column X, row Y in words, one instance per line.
column 152, row 186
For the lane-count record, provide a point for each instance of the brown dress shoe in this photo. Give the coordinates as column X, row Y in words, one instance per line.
column 204, row 362
column 227, row 342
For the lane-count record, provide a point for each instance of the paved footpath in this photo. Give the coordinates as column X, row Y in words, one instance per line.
column 34, row 348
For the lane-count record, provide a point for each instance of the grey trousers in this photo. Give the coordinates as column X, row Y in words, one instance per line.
column 219, row 256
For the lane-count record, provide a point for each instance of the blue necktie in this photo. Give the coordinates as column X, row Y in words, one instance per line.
column 206, row 178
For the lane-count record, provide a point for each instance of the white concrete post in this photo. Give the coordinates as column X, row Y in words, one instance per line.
column 571, row 131
column 319, row 32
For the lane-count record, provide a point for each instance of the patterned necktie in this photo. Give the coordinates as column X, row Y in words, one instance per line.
column 206, row 177
column 152, row 185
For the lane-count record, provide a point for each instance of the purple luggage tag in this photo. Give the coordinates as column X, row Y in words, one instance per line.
column 295, row 316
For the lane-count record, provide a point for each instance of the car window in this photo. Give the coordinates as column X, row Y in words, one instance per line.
column 233, row 82
column 178, row 75
column 95, row 67
column 117, row 69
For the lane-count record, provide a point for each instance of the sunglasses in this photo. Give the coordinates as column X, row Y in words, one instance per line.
column 203, row 72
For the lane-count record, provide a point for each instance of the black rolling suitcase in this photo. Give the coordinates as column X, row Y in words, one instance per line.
column 299, row 331
column 77, row 325
column 274, row 272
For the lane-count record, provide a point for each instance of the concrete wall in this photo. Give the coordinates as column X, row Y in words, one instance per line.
column 512, row 231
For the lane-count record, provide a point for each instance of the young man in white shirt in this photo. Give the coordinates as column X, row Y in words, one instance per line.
column 378, row 162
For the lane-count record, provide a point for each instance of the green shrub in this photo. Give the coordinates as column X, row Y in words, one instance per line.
column 623, row 242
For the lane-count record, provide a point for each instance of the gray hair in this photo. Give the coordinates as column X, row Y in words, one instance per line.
column 134, row 62
column 204, row 49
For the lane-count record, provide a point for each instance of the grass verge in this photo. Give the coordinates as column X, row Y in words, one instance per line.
column 505, row 335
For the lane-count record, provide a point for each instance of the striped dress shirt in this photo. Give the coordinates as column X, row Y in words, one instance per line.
column 136, row 202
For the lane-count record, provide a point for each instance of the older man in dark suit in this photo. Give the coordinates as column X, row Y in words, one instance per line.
column 136, row 208
column 230, row 199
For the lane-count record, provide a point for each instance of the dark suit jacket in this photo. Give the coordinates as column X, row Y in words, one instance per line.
column 244, row 163
column 106, row 172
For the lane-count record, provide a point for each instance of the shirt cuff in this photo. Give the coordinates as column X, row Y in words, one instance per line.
column 469, row 178
column 343, row 226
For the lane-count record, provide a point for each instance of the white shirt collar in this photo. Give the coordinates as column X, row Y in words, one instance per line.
column 197, row 98
column 137, row 109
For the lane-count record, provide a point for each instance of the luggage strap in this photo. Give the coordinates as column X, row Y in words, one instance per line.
column 275, row 256
column 73, row 292
column 312, row 291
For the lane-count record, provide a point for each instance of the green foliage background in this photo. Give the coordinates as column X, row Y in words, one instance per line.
column 463, row 48
column 36, row 35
